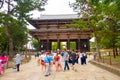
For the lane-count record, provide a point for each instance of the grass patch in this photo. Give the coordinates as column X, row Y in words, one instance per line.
column 115, row 62
column 116, row 59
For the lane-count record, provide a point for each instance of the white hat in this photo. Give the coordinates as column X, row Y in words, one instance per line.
column 17, row 54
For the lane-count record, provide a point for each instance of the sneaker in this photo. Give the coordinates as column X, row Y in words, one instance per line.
column 45, row 75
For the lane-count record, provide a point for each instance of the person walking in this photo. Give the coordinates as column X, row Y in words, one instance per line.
column 37, row 55
column 73, row 59
column 77, row 56
column 4, row 60
column 1, row 67
column 17, row 61
column 60, row 61
column 37, row 58
column 42, row 61
column 47, row 61
column 66, row 58
column 83, row 58
column 56, row 61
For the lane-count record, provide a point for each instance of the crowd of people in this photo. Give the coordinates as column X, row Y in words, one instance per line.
column 66, row 57
column 47, row 59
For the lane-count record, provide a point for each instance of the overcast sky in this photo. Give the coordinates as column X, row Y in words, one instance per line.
column 56, row 7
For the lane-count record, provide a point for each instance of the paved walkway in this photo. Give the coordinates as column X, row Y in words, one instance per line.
column 31, row 71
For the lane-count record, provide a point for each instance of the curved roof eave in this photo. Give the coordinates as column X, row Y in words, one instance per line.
column 58, row 17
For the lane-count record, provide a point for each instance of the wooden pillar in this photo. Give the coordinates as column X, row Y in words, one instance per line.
column 68, row 44
column 39, row 45
column 58, row 44
column 88, row 45
column 58, row 41
column 78, row 44
column 48, row 45
column 48, row 41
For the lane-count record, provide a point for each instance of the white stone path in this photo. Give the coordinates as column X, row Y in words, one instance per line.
column 31, row 71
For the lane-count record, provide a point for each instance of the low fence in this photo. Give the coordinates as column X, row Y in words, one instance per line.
column 108, row 58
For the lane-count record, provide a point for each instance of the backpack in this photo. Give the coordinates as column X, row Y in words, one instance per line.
column 62, row 54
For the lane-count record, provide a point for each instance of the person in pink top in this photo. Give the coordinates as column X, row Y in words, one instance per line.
column 1, row 67
column 4, row 61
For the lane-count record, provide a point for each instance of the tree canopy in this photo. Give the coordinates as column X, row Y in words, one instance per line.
column 102, row 17
column 13, row 17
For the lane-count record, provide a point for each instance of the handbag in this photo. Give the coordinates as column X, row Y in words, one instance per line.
column 42, row 62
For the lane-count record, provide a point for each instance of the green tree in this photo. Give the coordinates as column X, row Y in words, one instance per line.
column 18, row 33
column 72, row 46
column 90, row 15
column 54, row 46
column 118, row 41
column 3, row 40
column 17, row 9
column 100, row 16
column 35, row 44
column 110, row 24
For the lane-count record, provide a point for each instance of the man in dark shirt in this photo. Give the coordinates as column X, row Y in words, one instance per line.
column 73, row 58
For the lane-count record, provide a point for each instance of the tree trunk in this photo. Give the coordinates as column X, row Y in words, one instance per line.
column 114, row 53
column 97, row 46
column 10, row 41
column 26, row 53
column 119, row 50
column 18, row 48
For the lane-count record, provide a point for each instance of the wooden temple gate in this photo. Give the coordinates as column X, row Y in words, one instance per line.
column 50, row 28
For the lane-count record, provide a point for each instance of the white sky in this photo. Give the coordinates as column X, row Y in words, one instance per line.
column 56, row 7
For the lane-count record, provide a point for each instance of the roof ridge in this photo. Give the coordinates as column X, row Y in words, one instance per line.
column 57, row 14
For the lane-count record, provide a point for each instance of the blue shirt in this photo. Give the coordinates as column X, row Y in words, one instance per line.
column 47, row 59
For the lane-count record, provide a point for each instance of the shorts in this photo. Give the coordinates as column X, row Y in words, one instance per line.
column 3, row 65
column 73, row 62
column 42, row 62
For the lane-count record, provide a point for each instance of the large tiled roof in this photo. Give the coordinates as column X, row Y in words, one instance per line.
column 62, row 16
